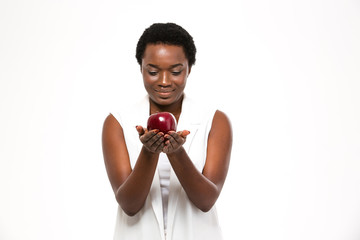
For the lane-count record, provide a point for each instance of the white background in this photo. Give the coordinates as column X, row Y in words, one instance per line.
column 287, row 73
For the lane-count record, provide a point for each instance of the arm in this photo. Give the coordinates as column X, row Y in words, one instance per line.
column 204, row 188
column 131, row 186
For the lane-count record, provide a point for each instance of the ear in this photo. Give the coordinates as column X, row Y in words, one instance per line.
column 189, row 70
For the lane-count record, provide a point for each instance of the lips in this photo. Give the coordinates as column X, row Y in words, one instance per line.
column 164, row 93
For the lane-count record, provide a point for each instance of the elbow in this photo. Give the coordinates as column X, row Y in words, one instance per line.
column 208, row 202
column 207, row 208
column 129, row 212
column 128, row 209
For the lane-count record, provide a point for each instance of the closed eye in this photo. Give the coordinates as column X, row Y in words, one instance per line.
column 152, row 73
column 176, row 73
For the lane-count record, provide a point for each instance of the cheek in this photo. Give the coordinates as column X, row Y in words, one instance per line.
column 181, row 81
column 147, row 84
column 148, row 80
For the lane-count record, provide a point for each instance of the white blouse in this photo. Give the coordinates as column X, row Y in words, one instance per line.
column 181, row 218
column 164, row 168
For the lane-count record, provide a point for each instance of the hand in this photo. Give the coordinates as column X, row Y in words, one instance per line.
column 174, row 140
column 153, row 140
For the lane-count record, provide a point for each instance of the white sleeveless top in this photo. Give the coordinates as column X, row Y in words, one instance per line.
column 183, row 220
column 164, row 168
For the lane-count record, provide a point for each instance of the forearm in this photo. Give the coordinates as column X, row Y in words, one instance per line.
column 200, row 190
column 132, row 194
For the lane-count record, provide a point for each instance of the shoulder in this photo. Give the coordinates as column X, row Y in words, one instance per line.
column 111, row 126
column 111, row 120
column 221, row 134
column 221, row 122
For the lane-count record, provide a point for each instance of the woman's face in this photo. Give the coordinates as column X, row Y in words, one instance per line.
column 165, row 70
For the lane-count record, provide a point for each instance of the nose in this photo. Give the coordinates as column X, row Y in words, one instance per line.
column 165, row 80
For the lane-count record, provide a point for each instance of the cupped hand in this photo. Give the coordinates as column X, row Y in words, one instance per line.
column 174, row 140
column 153, row 140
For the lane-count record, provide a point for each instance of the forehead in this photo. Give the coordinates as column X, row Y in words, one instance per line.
column 163, row 54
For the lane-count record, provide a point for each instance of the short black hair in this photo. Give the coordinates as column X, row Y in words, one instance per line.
column 166, row 33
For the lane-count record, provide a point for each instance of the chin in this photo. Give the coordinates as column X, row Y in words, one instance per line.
column 165, row 101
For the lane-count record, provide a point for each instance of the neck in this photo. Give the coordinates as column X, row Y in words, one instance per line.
column 174, row 108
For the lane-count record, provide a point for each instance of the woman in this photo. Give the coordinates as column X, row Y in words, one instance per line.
column 166, row 185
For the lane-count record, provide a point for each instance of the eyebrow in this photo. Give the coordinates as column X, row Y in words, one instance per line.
column 172, row 66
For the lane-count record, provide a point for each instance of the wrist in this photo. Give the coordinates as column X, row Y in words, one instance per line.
column 149, row 153
column 175, row 153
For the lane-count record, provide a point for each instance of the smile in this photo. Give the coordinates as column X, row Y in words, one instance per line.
column 165, row 93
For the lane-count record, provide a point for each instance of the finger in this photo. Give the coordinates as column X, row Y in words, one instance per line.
column 160, row 147
column 148, row 135
column 176, row 136
column 157, row 140
column 167, row 147
column 140, row 130
column 184, row 133
column 173, row 143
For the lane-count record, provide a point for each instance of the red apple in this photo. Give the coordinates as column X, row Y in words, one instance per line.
column 164, row 121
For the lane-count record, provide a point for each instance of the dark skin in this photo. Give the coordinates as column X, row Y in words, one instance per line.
column 165, row 70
